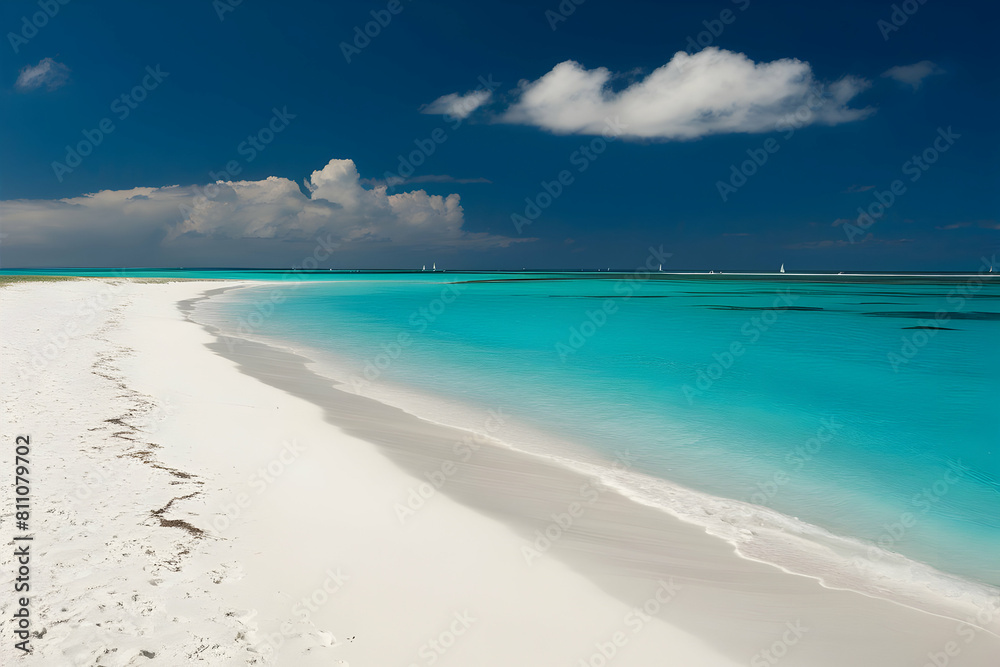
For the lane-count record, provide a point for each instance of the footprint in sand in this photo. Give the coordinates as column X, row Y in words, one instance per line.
column 325, row 639
column 227, row 573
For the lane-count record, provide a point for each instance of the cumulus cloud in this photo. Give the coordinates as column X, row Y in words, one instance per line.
column 458, row 106
column 47, row 73
column 713, row 91
column 913, row 75
column 274, row 210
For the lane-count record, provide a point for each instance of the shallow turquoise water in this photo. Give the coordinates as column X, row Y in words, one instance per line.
column 810, row 396
column 832, row 412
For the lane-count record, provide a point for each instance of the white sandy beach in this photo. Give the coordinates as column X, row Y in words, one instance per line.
column 184, row 510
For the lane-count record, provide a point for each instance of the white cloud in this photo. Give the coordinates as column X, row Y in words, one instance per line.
column 458, row 106
column 46, row 73
column 144, row 220
column 713, row 91
column 914, row 74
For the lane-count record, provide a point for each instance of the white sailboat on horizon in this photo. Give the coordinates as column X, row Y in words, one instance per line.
column 782, row 269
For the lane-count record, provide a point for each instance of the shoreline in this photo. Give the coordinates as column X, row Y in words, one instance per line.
column 455, row 568
column 492, row 460
column 755, row 532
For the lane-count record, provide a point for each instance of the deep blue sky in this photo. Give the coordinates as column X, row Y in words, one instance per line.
column 226, row 76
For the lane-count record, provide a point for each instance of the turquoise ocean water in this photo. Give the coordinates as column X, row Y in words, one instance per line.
column 825, row 398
